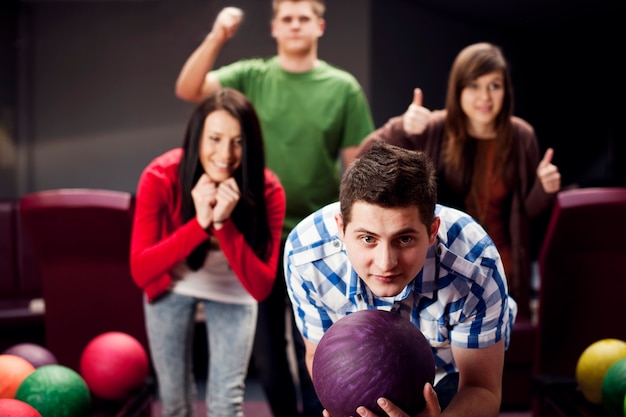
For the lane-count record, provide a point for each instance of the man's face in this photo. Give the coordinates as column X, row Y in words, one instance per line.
column 386, row 246
column 296, row 27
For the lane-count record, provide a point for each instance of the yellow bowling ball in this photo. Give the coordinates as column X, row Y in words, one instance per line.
column 593, row 364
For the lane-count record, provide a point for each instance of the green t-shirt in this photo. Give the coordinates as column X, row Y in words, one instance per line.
column 307, row 118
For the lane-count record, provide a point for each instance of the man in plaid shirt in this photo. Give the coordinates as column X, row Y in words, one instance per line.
column 387, row 245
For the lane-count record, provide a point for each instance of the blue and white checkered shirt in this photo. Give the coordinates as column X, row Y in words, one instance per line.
column 458, row 298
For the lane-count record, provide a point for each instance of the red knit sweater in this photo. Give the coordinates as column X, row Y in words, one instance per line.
column 160, row 240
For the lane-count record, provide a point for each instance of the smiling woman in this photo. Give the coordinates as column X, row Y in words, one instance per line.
column 221, row 146
column 207, row 230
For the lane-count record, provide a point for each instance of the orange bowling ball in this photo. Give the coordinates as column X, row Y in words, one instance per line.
column 13, row 370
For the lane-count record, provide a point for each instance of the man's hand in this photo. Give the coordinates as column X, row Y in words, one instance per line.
column 416, row 117
column 196, row 81
column 226, row 23
column 432, row 408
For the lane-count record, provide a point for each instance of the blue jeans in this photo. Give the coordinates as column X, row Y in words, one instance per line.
column 170, row 321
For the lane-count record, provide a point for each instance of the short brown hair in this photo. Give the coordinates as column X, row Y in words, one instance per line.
column 319, row 6
column 389, row 176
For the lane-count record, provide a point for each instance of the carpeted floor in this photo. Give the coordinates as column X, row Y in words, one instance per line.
column 251, row 409
column 256, row 406
column 260, row 409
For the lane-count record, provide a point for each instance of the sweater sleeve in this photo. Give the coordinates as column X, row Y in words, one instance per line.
column 391, row 132
column 256, row 275
column 536, row 200
column 154, row 251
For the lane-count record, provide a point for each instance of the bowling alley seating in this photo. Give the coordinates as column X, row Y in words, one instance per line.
column 517, row 377
column 81, row 239
column 21, row 312
column 582, row 292
column 518, row 366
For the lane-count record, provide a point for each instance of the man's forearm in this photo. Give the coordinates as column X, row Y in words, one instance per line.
column 473, row 402
column 192, row 77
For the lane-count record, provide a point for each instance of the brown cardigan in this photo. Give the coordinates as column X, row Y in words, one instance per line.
column 527, row 198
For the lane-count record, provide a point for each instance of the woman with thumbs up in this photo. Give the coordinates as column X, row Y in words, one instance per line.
column 488, row 160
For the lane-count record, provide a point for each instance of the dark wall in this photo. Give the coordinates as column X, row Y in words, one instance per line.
column 100, row 77
column 96, row 79
column 9, row 12
column 565, row 61
column 87, row 87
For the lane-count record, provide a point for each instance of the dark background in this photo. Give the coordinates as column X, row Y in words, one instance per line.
column 87, row 86
column 566, row 63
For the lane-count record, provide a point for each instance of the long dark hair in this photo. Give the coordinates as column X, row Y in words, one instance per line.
column 250, row 214
column 472, row 62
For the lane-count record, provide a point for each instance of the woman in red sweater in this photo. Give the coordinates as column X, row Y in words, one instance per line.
column 206, row 233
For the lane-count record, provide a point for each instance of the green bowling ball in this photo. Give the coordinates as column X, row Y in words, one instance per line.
column 614, row 389
column 56, row 391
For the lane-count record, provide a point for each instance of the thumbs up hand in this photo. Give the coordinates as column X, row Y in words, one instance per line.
column 416, row 117
column 548, row 173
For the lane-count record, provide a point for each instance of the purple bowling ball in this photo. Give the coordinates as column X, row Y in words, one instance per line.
column 36, row 354
column 370, row 354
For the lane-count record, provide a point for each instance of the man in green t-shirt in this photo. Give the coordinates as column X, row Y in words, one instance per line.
column 313, row 116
